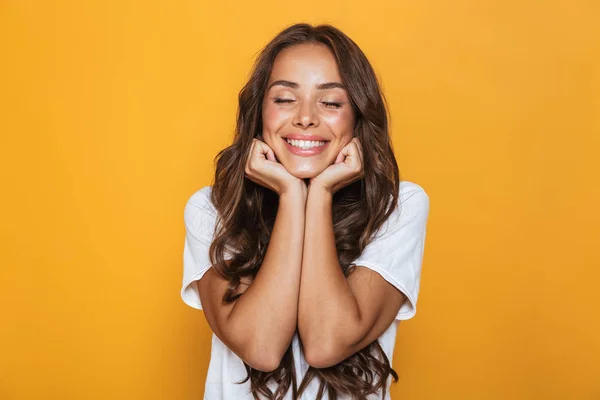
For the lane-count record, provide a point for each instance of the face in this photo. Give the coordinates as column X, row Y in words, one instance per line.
column 307, row 115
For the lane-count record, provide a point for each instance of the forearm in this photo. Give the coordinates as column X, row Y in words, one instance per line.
column 328, row 313
column 266, row 314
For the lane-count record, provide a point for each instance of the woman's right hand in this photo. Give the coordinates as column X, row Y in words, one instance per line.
column 262, row 167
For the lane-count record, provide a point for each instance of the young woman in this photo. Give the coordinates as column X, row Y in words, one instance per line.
column 306, row 251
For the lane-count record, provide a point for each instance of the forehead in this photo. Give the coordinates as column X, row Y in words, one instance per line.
column 306, row 64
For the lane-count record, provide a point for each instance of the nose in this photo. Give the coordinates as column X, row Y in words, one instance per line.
column 305, row 116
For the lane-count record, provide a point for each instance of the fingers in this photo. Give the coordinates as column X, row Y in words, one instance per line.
column 250, row 155
column 360, row 149
column 354, row 157
column 361, row 156
column 264, row 150
column 257, row 152
column 262, row 168
column 267, row 152
column 353, row 151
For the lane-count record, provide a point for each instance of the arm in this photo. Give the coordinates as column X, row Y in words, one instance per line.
column 337, row 317
column 260, row 324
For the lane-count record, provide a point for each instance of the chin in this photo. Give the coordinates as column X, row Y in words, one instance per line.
column 305, row 173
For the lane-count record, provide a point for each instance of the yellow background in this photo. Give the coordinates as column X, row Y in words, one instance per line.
column 112, row 112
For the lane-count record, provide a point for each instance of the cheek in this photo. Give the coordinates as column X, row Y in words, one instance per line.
column 342, row 124
column 272, row 118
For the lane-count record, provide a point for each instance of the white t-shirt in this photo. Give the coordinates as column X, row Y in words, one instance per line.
column 396, row 253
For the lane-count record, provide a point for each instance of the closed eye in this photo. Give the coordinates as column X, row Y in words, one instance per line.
column 332, row 104
column 279, row 100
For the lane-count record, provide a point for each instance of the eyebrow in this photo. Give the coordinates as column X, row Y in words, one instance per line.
column 294, row 85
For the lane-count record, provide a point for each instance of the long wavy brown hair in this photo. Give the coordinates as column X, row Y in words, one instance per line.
column 246, row 210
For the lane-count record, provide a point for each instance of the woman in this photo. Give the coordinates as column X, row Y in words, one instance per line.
column 306, row 251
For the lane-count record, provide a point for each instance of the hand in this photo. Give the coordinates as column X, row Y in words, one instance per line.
column 347, row 168
column 262, row 167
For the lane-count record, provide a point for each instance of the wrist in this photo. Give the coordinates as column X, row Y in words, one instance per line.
column 295, row 190
column 317, row 187
column 317, row 191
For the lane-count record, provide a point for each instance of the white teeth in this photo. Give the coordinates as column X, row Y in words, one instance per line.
column 305, row 144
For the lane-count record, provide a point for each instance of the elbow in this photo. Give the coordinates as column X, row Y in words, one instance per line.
column 320, row 352
column 262, row 358
column 257, row 350
column 323, row 355
column 263, row 362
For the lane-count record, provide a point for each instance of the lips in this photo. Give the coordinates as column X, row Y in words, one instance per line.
column 298, row 136
column 305, row 152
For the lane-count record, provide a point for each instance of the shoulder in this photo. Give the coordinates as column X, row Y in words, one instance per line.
column 412, row 193
column 199, row 203
column 412, row 200
column 200, row 197
column 412, row 208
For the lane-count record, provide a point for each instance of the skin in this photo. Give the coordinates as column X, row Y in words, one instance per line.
column 300, row 284
column 306, row 109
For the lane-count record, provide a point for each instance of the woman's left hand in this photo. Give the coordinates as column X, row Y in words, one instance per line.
column 348, row 167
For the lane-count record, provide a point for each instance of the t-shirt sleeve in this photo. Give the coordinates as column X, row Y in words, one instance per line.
column 396, row 251
column 200, row 219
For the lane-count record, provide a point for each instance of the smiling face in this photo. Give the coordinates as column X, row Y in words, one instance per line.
column 307, row 115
